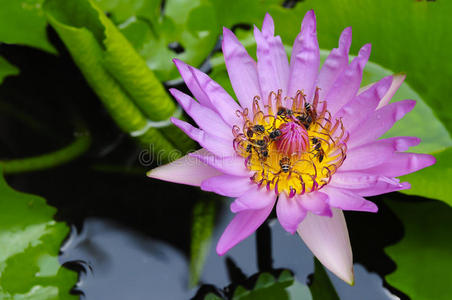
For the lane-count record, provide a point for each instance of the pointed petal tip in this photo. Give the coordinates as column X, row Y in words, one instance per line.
column 405, row 185
column 268, row 26
column 347, row 31
column 220, row 250
column 227, row 33
column 328, row 240
column 400, row 76
column 309, row 21
column 183, row 99
column 310, row 13
column 365, row 51
column 346, row 275
column 256, row 31
column 175, row 121
column 370, row 207
column 180, row 65
column 230, row 42
column 351, row 279
column 409, row 105
column 345, row 40
column 430, row 161
column 174, row 92
column 289, row 228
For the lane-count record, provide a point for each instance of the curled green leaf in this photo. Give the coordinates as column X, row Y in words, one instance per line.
column 119, row 76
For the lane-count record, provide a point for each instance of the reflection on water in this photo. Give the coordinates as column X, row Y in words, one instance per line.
column 122, row 263
column 125, row 264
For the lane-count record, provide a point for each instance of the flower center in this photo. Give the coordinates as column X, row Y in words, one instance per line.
column 293, row 147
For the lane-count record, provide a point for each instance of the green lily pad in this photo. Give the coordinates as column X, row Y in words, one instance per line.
column 23, row 22
column 423, row 256
column 267, row 287
column 7, row 69
column 31, row 239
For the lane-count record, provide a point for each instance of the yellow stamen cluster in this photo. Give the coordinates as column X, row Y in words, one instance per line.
column 294, row 162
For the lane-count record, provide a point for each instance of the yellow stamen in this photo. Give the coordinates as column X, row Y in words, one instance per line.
column 294, row 150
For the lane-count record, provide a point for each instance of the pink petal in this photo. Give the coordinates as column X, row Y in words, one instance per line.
column 402, row 164
column 227, row 185
column 223, row 103
column 328, row 240
column 186, row 170
column 255, row 198
column 241, row 69
column 242, row 226
column 305, row 59
column 219, row 147
column 360, row 180
column 364, row 104
column 348, row 200
column 192, row 83
column 379, row 122
column 382, row 187
column 396, row 83
column 317, row 203
column 375, row 153
column 207, row 119
column 347, row 84
column 335, row 63
column 272, row 64
column 401, row 143
column 289, row 213
column 233, row 165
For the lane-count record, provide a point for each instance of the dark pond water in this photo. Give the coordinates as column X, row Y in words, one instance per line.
column 130, row 235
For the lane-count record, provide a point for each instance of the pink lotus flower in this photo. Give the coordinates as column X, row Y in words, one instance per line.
column 305, row 139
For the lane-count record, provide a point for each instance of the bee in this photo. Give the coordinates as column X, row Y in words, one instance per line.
column 261, row 147
column 316, row 143
column 284, row 163
column 305, row 120
column 249, row 148
column 261, row 143
column 308, row 107
column 284, row 112
column 275, row 134
column 263, row 153
column 255, row 129
column 320, row 154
